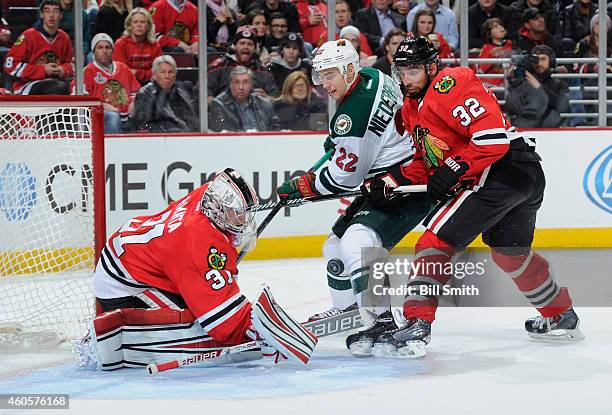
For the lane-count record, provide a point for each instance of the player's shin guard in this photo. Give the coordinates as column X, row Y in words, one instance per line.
column 430, row 272
column 280, row 331
column 532, row 275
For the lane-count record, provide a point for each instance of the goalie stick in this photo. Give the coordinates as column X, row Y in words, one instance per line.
column 322, row 198
column 244, row 352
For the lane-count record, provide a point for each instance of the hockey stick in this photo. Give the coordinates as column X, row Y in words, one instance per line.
column 221, row 355
column 417, row 188
column 279, row 205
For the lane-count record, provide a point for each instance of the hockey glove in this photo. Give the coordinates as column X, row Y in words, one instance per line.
column 329, row 145
column 298, row 188
column 444, row 184
column 380, row 190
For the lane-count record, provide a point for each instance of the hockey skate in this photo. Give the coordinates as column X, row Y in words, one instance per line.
column 360, row 344
column 408, row 341
column 562, row 327
column 332, row 312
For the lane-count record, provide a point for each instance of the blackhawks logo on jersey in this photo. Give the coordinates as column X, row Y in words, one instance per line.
column 19, row 40
column 114, row 93
column 432, row 148
column 445, row 84
column 216, row 260
column 180, row 31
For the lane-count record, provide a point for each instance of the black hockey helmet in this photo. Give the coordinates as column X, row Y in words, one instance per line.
column 415, row 51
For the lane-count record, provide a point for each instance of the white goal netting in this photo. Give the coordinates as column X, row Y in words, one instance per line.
column 46, row 224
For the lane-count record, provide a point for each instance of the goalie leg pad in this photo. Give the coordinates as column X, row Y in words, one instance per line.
column 281, row 331
column 138, row 337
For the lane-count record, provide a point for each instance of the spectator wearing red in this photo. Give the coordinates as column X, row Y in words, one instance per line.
column 111, row 17
column 242, row 54
column 41, row 58
column 313, row 20
column 176, row 23
column 495, row 46
column 112, row 82
column 535, row 32
column 423, row 25
column 137, row 48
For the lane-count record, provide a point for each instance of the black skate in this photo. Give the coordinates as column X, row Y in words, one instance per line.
column 360, row 344
column 562, row 327
column 332, row 312
column 408, row 341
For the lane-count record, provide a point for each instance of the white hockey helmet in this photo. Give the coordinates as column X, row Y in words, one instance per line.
column 227, row 202
column 334, row 54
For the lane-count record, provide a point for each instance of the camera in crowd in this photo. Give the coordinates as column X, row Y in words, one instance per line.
column 524, row 62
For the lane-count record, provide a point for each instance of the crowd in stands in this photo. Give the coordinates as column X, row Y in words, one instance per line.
column 141, row 55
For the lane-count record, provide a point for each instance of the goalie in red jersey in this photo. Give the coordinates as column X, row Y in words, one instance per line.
column 173, row 276
column 485, row 178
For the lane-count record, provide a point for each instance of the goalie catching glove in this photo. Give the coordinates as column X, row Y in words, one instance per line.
column 298, row 188
column 445, row 183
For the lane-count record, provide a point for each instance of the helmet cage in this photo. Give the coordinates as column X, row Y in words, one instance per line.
column 228, row 200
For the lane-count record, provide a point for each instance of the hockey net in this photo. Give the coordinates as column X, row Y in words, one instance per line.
column 52, row 217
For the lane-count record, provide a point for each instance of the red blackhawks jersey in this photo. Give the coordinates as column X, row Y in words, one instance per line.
column 117, row 87
column 457, row 117
column 175, row 24
column 139, row 56
column 31, row 51
column 178, row 250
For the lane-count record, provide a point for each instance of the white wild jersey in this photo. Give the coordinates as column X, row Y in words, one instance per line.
column 368, row 132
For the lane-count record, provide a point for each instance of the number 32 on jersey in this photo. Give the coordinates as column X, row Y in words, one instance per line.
column 468, row 112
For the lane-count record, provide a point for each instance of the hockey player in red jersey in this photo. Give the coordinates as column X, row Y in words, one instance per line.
column 176, row 270
column 486, row 178
column 176, row 24
column 111, row 81
column 41, row 58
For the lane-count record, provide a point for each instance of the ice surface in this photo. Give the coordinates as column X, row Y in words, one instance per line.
column 480, row 361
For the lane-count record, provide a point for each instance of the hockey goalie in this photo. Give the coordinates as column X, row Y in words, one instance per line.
column 165, row 286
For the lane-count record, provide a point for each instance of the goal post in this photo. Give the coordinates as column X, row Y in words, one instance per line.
column 52, row 214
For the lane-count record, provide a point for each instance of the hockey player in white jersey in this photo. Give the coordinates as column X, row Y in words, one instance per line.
column 369, row 140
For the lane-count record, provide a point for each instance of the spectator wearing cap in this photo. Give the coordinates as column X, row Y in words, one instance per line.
column 164, row 104
column 222, row 24
column 285, row 8
column 392, row 41
column 352, row 34
column 137, row 48
column 544, row 6
column 534, row 32
column 313, row 20
column 299, row 108
column 241, row 54
column 176, row 24
column 484, row 10
column 535, row 99
column 112, row 82
column 376, row 21
column 239, row 108
column 289, row 60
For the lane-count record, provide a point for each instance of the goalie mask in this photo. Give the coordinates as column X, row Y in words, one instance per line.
column 227, row 203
